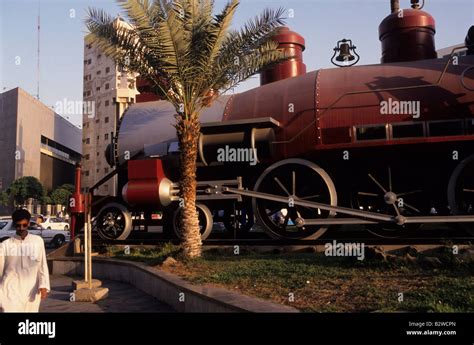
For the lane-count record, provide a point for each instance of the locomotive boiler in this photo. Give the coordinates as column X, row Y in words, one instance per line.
column 389, row 146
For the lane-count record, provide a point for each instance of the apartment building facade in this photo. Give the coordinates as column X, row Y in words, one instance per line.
column 108, row 91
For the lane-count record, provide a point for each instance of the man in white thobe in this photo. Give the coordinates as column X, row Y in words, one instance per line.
column 24, row 275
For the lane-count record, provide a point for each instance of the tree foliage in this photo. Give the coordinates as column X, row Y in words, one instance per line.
column 24, row 188
column 60, row 196
column 4, row 199
column 186, row 52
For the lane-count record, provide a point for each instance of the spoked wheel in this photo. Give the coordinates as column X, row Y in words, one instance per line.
column 114, row 222
column 294, row 179
column 461, row 192
column 386, row 192
column 205, row 221
column 239, row 220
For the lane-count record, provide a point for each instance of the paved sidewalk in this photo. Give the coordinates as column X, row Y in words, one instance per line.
column 122, row 298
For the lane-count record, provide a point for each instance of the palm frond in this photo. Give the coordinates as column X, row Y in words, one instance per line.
column 239, row 56
column 184, row 49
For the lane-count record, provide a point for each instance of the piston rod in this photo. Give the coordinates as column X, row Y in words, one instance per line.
column 371, row 216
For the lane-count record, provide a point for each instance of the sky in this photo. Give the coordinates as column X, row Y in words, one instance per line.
column 321, row 22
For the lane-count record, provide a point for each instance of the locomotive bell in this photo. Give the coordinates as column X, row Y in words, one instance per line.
column 345, row 53
column 345, row 49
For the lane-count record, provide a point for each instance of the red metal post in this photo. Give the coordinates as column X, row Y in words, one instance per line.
column 76, row 202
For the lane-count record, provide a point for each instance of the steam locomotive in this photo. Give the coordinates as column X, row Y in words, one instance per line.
column 389, row 146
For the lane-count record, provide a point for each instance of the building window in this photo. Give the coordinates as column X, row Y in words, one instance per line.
column 88, row 141
column 106, row 103
column 106, row 170
column 98, row 138
column 97, row 88
column 86, row 173
column 412, row 130
column 107, row 86
column 97, row 154
column 97, row 170
column 87, row 157
column 106, row 136
column 98, row 72
column 89, row 46
column 446, row 128
column 99, row 56
column 107, row 69
column 89, row 61
column 371, row 133
column 106, row 120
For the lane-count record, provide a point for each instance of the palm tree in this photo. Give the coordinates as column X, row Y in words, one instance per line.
column 190, row 56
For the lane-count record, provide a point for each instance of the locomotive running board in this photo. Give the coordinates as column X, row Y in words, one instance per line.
column 371, row 217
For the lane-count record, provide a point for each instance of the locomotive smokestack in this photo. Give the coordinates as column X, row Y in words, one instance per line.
column 293, row 44
column 407, row 34
column 394, row 5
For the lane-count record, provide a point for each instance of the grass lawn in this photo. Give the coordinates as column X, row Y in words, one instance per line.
column 323, row 284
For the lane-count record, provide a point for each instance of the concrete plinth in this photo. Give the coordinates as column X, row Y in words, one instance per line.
column 90, row 295
column 82, row 284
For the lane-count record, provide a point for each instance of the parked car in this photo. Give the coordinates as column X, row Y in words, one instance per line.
column 53, row 223
column 51, row 237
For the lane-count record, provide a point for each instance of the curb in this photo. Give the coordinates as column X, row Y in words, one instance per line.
column 169, row 288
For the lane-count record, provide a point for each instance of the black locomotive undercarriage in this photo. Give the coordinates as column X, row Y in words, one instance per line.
column 392, row 192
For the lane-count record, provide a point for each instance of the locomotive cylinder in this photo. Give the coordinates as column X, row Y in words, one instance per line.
column 147, row 184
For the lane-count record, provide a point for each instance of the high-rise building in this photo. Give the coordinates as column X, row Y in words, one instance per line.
column 108, row 91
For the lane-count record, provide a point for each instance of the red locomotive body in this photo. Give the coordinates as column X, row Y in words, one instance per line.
column 390, row 146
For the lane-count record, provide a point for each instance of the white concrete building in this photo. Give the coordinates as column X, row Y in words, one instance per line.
column 36, row 141
column 111, row 91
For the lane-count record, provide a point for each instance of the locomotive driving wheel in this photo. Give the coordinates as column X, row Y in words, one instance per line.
column 386, row 192
column 205, row 221
column 294, row 179
column 113, row 222
column 239, row 219
column 461, row 192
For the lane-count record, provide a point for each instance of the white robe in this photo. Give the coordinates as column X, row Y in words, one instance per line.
column 23, row 271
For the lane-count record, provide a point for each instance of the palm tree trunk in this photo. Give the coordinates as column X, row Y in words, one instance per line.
column 188, row 136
